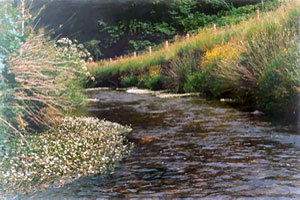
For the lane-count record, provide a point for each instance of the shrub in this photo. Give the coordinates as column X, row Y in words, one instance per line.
column 93, row 47
column 215, row 78
column 129, row 81
column 193, row 81
column 280, row 98
column 155, row 82
column 179, row 68
column 79, row 147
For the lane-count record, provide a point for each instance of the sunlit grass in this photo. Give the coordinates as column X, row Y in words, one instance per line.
column 252, row 62
column 206, row 39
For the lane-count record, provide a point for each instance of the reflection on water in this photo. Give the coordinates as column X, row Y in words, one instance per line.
column 193, row 148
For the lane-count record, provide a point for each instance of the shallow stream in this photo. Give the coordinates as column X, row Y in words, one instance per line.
column 191, row 147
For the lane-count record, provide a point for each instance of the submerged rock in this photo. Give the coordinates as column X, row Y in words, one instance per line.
column 93, row 100
column 160, row 94
column 98, row 89
column 139, row 91
column 226, row 100
column 257, row 112
column 163, row 95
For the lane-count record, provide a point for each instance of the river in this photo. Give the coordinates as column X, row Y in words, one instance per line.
column 191, row 148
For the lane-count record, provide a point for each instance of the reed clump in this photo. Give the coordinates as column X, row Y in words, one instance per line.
column 46, row 77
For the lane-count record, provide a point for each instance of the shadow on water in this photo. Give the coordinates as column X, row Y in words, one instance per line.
column 196, row 149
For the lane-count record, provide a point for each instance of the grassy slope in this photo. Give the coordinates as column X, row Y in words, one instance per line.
column 206, row 39
column 240, row 61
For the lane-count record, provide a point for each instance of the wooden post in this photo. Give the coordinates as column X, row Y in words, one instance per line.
column 150, row 50
column 215, row 28
column 167, row 44
column 110, row 60
column 134, row 54
column 257, row 15
column 175, row 38
column 121, row 57
column 187, row 36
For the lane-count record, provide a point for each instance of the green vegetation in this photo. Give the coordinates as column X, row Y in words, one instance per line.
column 41, row 82
column 251, row 59
column 241, row 61
column 180, row 68
column 202, row 41
column 10, row 41
column 78, row 147
column 112, row 29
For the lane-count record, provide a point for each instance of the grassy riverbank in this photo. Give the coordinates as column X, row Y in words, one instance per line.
column 253, row 62
column 40, row 84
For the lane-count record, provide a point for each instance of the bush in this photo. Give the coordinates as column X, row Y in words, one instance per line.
column 41, row 82
column 193, row 81
column 79, row 147
column 179, row 68
column 129, row 81
column 280, row 98
column 155, row 82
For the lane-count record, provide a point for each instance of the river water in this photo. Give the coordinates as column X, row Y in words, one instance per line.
column 191, row 148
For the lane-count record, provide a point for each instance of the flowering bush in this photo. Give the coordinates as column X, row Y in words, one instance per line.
column 80, row 146
column 230, row 50
column 70, row 48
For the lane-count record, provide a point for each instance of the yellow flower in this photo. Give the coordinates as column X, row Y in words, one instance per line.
column 154, row 70
column 230, row 50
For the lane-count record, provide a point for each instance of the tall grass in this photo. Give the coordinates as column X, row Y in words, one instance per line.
column 39, row 77
column 263, row 73
column 46, row 78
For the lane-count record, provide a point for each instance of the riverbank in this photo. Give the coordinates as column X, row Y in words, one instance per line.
column 242, row 62
column 40, row 144
column 40, row 85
